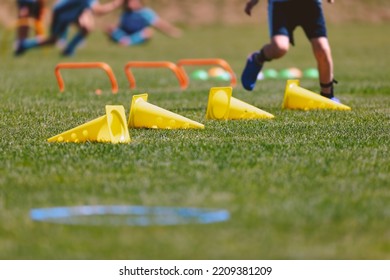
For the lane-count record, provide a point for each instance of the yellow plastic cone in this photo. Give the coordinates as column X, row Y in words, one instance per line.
column 144, row 114
column 110, row 128
column 296, row 97
column 222, row 106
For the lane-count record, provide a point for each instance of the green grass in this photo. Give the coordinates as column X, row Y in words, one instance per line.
column 306, row 185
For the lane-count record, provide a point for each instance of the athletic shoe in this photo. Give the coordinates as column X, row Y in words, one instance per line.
column 251, row 70
column 67, row 53
column 20, row 49
column 335, row 99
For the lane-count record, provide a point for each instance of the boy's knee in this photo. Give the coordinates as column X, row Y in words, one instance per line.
column 23, row 12
column 147, row 33
column 86, row 21
column 279, row 46
column 280, row 49
column 321, row 47
column 109, row 29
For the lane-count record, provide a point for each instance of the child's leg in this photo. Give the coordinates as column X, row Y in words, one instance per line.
column 86, row 24
column 33, row 43
column 314, row 27
column 75, row 42
column 277, row 48
column 56, row 28
column 116, row 34
column 281, row 28
column 62, row 39
column 323, row 55
column 121, row 37
column 22, row 27
column 27, row 44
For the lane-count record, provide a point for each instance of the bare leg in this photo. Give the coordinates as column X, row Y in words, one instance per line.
column 23, row 24
column 323, row 55
column 277, row 48
column 124, row 39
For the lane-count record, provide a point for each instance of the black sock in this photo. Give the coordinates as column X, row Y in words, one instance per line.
column 261, row 58
column 328, row 85
column 328, row 95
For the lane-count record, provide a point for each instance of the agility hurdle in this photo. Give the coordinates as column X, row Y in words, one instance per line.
column 181, row 77
column 82, row 65
column 207, row 61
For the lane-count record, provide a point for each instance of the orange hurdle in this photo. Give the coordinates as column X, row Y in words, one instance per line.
column 80, row 65
column 207, row 61
column 181, row 77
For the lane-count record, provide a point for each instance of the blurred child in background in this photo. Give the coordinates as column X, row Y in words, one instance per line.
column 27, row 10
column 66, row 13
column 136, row 22
column 284, row 16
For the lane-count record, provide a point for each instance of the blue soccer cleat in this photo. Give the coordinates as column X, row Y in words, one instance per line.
column 251, row 71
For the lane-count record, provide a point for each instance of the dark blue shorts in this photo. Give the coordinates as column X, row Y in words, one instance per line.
column 66, row 13
column 135, row 21
column 284, row 17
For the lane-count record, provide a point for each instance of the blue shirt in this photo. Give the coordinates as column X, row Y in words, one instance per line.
column 133, row 21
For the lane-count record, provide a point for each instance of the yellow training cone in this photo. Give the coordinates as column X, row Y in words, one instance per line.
column 222, row 106
column 296, row 97
column 144, row 114
column 110, row 128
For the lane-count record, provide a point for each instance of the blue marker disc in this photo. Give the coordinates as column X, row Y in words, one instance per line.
column 130, row 215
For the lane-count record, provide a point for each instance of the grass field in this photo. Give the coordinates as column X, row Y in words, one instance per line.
column 306, row 185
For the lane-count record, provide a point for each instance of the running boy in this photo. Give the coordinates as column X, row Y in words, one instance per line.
column 135, row 25
column 29, row 9
column 284, row 16
column 65, row 13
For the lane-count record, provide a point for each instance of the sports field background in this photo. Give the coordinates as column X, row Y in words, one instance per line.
column 206, row 12
column 306, row 185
